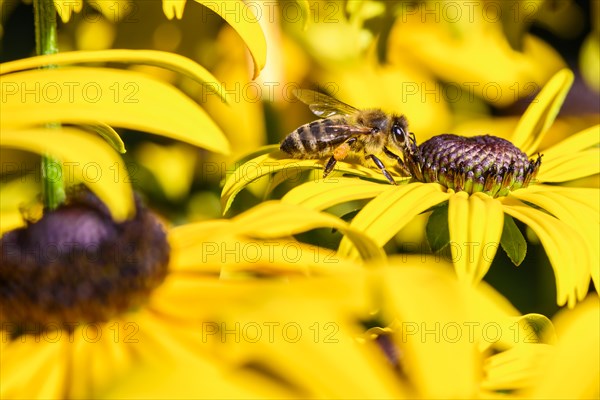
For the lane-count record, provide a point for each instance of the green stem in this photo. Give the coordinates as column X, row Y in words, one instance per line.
column 53, row 189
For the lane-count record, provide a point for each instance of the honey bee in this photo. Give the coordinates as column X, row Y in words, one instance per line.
column 345, row 130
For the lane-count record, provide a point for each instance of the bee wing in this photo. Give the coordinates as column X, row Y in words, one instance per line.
column 323, row 105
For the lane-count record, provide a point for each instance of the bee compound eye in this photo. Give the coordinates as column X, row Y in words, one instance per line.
column 398, row 133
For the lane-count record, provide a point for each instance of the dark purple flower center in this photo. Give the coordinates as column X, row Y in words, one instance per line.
column 485, row 163
column 78, row 265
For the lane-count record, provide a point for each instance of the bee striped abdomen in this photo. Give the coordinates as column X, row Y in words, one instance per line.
column 315, row 139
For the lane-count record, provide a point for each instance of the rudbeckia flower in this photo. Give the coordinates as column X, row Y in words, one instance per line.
column 475, row 187
column 86, row 302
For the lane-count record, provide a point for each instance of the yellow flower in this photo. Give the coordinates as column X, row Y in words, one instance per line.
column 245, row 309
column 564, row 218
column 88, row 302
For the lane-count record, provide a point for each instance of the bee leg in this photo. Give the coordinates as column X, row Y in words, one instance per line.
column 339, row 153
column 329, row 166
column 380, row 165
column 403, row 167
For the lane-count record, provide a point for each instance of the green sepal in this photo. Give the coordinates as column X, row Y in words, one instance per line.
column 512, row 241
column 438, row 234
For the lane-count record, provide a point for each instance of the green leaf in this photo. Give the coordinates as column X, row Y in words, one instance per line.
column 76, row 95
column 438, row 234
column 246, row 25
column 162, row 59
column 512, row 241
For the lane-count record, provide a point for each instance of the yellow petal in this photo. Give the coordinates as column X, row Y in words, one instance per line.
column 580, row 141
column 578, row 207
column 321, row 194
column 107, row 345
column 180, row 380
column 16, row 196
column 269, row 220
column 475, row 223
column 277, row 161
column 275, row 219
column 540, row 114
column 584, row 197
column 230, row 256
column 522, row 352
column 86, row 159
column 173, row 8
column 115, row 97
column 318, row 334
column 570, row 166
column 67, row 7
column 188, row 234
column 274, row 257
column 241, row 18
column 441, row 325
column 573, row 370
column 33, row 379
column 162, row 59
column 389, row 212
column 563, row 245
column 516, row 368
